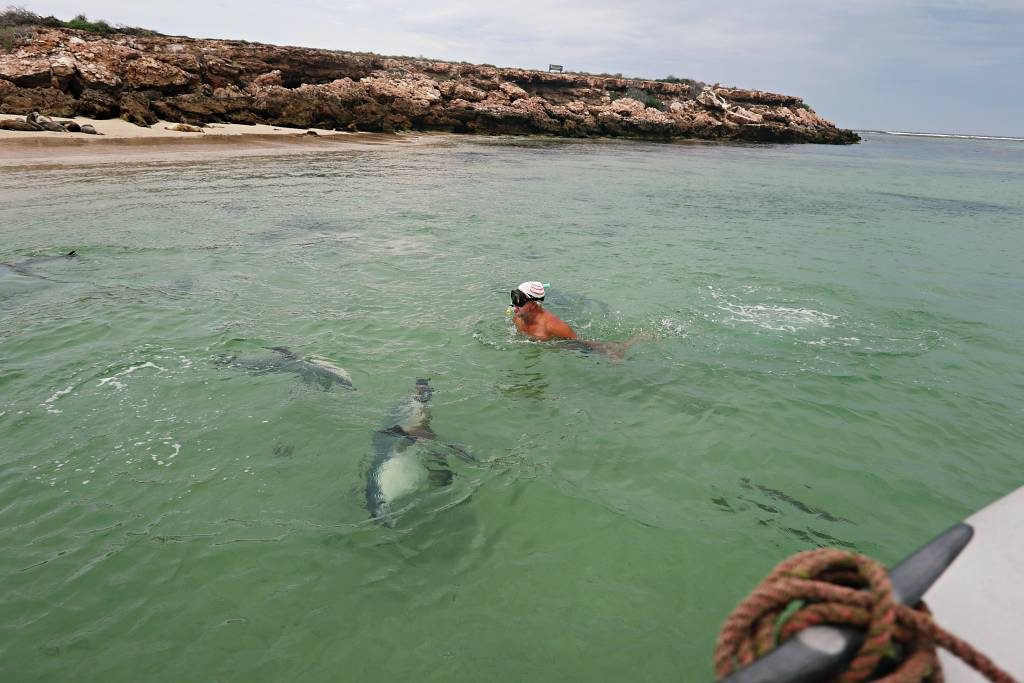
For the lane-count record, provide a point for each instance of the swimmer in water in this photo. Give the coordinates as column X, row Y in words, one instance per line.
column 532, row 319
column 536, row 322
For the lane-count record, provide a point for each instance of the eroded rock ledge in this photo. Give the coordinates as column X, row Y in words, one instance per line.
column 62, row 72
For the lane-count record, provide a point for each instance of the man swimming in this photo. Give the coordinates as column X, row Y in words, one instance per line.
column 533, row 320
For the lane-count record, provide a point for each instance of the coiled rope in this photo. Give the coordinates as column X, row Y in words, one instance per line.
column 844, row 589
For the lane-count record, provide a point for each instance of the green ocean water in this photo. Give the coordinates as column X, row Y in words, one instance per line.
column 832, row 357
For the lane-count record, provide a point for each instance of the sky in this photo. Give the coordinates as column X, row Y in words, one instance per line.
column 943, row 66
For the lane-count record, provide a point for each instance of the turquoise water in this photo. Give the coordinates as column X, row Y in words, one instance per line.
column 832, row 358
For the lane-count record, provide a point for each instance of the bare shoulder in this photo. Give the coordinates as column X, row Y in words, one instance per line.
column 556, row 327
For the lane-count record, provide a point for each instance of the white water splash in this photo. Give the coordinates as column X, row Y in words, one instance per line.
column 672, row 327
column 835, row 341
column 158, row 442
column 777, row 318
column 48, row 403
column 117, row 384
column 773, row 317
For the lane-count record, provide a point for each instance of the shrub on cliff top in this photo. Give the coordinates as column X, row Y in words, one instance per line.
column 652, row 101
column 82, row 23
column 21, row 18
column 676, row 79
column 16, row 25
column 7, row 37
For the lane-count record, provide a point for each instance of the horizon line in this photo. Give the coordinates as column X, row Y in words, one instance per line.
column 963, row 136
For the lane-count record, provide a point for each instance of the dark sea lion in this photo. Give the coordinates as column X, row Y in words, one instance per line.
column 783, row 497
column 45, row 123
column 17, row 124
column 25, row 267
column 51, row 126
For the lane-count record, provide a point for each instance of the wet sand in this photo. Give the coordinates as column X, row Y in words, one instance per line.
column 125, row 142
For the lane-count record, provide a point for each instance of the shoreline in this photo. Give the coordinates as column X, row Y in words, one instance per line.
column 122, row 142
column 126, row 143
column 119, row 129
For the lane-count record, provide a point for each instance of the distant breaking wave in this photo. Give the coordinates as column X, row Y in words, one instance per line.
column 948, row 135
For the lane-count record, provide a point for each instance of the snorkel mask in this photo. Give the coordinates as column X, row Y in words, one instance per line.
column 519, row 299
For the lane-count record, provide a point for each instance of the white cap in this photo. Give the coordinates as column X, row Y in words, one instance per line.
column 534, row 290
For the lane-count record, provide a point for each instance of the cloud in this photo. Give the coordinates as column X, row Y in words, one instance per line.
column 838, row 56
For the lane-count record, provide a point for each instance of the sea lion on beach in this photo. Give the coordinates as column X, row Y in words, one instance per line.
column 51, row 126
column 18, row 124
column 89, row 130
column 45, row 123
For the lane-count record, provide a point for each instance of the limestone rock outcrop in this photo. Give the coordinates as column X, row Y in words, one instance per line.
column 63, row 72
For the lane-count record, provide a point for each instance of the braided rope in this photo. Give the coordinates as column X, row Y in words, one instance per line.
column 843, row 588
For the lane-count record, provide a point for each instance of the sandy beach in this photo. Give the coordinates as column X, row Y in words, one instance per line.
column 120, row 141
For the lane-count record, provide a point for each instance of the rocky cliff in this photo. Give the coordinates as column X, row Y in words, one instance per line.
column 62, row 72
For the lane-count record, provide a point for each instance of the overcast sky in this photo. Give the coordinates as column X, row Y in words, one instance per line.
column 918, row 65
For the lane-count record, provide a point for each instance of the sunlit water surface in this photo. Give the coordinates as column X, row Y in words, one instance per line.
column 833, row 357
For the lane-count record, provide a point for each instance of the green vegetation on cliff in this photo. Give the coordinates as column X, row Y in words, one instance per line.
column 17, row 22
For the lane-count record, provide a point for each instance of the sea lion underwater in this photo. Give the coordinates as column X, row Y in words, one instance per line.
column 407, row 457
column 25, row 267
column 312, row 370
